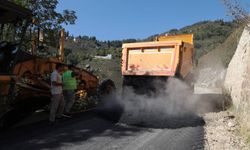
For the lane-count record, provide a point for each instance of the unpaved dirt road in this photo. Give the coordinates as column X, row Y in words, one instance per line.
column 88, row 131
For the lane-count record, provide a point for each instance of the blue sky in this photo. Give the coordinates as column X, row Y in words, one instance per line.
column 123, row 19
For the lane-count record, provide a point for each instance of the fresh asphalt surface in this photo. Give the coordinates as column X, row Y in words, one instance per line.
column 89, row 131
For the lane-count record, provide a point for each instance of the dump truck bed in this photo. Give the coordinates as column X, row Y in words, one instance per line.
column 158, row 58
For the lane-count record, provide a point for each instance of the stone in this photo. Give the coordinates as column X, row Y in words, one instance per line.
column 231, row 124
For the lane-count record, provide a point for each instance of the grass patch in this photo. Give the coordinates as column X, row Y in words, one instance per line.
column 244, row 127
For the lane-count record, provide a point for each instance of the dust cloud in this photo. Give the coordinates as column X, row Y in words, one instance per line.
column 173, row 106
column 210, row 75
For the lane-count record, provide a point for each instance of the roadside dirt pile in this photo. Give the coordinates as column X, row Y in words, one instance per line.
column 237, row 82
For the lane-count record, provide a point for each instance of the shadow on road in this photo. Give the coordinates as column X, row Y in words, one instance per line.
column 80, row 128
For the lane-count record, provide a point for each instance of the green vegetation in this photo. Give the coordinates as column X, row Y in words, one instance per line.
column 223, row 52
column 81, row 51
column 243, row 129
column 46, row 19
column 207, row 34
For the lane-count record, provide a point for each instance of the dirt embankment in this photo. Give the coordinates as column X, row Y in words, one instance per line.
column 237, row 82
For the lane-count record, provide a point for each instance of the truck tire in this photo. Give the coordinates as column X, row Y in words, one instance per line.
column 109, row 106
column 107, row 87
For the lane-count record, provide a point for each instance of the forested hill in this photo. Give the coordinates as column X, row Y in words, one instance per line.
column 207, row 36
column 83, row 48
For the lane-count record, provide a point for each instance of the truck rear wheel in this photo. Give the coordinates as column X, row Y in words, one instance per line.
column 109, row 106
column 107, row 87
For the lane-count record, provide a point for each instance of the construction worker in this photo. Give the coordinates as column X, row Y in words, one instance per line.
column 57, row 102
column 69, row 87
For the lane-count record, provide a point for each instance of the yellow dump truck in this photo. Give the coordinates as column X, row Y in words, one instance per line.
column 168, row 56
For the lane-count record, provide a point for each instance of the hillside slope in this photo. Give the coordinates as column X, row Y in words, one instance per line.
column 237, row 83
column 223, row 52
column 211, row 69
column 207, row 34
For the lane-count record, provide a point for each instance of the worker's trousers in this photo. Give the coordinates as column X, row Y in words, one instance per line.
column 57, row 106
column 69, row 98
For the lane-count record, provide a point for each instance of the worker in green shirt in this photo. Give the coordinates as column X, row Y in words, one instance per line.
column 69, row 87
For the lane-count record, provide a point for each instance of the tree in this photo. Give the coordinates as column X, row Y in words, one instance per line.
column 236, row 10
column 47, row 18
column 45, row 13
